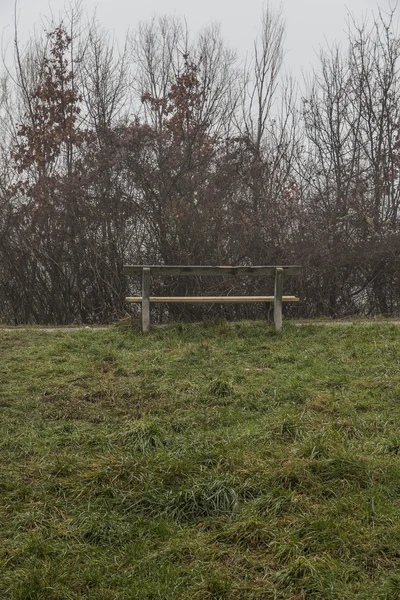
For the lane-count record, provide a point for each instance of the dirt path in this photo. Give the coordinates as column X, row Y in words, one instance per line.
column 333, row 323
column 105, row 328
column 53, row 329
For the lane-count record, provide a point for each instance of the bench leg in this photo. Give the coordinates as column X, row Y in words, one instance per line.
column 146, row 300
column 278, row 299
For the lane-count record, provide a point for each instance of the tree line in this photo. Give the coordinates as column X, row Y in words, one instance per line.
column 167, row 150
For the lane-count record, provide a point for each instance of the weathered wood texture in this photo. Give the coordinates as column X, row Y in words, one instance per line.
column 147, row 270
column 207, row 271
column 210, row 299
column 146, row 300
column 278, row 298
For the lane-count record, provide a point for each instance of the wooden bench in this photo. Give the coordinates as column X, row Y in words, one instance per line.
column 145, row 271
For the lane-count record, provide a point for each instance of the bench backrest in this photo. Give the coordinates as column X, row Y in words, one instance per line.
column 201, row 271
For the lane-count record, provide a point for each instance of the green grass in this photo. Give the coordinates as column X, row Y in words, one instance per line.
column 218, row 460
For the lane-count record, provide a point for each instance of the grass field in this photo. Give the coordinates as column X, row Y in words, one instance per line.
column 220, row 460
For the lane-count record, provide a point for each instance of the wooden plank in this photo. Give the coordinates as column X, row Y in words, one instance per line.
column 206, row 271
column 146, row 300
column 210, row 299
column 278, row 298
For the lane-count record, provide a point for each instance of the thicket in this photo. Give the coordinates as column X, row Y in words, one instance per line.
column 169, row 151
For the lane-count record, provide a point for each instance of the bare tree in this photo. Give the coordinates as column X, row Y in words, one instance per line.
column 103, row 79
column 351, row 119
column 158, row 51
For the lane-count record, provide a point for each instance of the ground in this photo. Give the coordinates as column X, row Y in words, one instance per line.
column 214, row 460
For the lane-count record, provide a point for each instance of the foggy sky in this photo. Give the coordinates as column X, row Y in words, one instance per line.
column 310, row 24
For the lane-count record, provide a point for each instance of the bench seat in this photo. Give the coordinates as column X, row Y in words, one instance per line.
column 210, row 299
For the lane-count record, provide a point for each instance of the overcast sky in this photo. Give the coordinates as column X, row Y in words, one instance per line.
column 309, row 23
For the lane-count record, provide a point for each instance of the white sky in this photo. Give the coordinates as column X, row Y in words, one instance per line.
column 309, row 23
